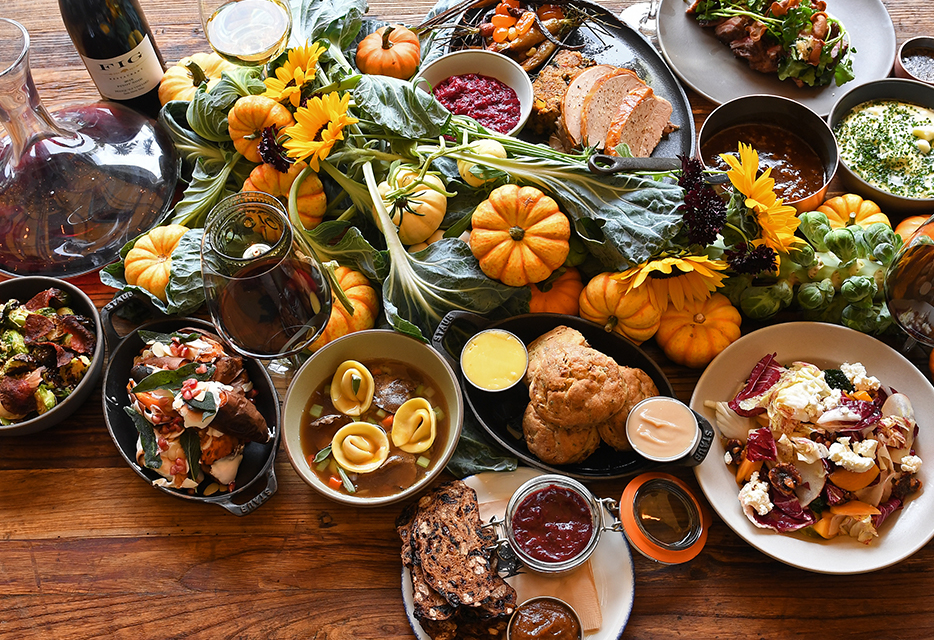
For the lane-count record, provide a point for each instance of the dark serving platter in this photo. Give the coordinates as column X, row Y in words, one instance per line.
column 500, row 413
column 608, row 40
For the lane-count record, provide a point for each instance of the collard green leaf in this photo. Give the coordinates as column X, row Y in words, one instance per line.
column 206, row 189
column 173, row 380
column 191, row 445
column 334, row 20
column 147, row 438
column 341, row 241
column 192, row 147
column 400, row 107
column 205, row 120
column 236, row 83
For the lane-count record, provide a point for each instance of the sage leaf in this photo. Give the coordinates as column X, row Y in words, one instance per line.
column 323, row 454
column 191, row 445
column 207, row 406
column 348, row 485
column 173, row 380
column 147, row 438
column 150, row 337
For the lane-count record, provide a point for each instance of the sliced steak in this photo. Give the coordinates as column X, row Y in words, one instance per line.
column 390, row 392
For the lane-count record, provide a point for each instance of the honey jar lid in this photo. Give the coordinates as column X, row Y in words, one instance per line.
column 663, row 519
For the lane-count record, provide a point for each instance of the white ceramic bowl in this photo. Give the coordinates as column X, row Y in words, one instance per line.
column 486, row 63
column 367, row 345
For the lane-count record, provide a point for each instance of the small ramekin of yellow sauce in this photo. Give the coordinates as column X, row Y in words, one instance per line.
column 494, row 360
column 662, row 429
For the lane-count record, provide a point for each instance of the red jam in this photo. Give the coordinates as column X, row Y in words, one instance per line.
column 553, row 524
column 486, row 100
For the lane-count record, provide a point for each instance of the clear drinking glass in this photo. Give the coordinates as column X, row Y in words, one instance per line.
column 909, row 286
column 246, row 32
column 641, row 17
column 76, row 184
column 265, row 291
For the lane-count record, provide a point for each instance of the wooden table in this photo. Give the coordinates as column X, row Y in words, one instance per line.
column 89, row 550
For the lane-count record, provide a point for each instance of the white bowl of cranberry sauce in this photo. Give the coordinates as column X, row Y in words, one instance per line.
column 487, row 86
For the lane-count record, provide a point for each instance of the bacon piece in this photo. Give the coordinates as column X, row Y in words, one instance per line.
column 37, row 328
column 45, row 299
column 82, row 340
column 16, row 394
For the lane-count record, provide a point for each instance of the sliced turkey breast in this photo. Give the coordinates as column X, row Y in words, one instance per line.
column 641, row 121
column 602, row 104
column 574, row 97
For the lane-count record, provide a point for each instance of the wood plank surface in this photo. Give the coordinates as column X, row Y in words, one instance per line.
column 88, row 549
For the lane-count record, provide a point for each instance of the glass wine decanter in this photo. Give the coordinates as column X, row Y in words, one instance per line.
column 75, row 185
column 909, row 286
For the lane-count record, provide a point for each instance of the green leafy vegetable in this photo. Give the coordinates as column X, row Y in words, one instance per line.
column 206, row 189
column 193, row 148
column 398, row 106
column 147, row 438
column 173, row 380
column 836, row 379
column 191, row 445
column 149, row 337
column 207, row 406
column 323, row 454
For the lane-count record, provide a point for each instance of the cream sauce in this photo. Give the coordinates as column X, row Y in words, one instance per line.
column 494, row 360
column 661, row 428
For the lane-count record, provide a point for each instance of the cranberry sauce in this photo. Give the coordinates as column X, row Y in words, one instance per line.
column 553, row 524
column 486, row 100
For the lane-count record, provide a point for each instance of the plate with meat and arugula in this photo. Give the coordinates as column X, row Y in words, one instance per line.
column 800, row 49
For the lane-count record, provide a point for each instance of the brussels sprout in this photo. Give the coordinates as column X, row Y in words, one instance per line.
column 816, row 295
column 871, row 319
column 72, row 372
column 802, row 254
column 45, row 399
column 48, row 312
column 815, row 225
column 65, row 311
column 842, row 242
column 858, row 288
column 11, row 343
column 16, row 318
column 19, row 365
column 734, row 286
column 760, row 302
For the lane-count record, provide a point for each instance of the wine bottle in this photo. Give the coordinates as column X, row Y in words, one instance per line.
column 117, row 47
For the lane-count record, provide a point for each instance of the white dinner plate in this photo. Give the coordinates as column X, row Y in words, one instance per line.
column 827, row 346
column 709, row 67
column 611, row 561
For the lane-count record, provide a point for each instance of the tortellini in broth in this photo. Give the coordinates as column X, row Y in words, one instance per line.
column 360, row 447
column 414, row 426
column 352, row 388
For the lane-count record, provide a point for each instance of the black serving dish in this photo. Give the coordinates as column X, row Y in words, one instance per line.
column 23, row 289
column 500, row 412
column 257, row 464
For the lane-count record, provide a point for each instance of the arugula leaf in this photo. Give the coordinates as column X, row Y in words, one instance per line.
column 173, row 380
column 191, row 445
column 166, row 338
column 147, row 438
column 400, row 107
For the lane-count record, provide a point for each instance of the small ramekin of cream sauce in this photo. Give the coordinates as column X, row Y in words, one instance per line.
column 662, row 429
column 494, row 360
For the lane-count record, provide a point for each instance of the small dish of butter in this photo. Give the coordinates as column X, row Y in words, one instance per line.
column 494, row 360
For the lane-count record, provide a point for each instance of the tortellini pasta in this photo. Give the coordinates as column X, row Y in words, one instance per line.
column 360, row 447
column 414, row 426
column 352, row 388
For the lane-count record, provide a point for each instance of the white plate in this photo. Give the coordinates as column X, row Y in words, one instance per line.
column 611, row 561
column 709, row 67
column 825, row 345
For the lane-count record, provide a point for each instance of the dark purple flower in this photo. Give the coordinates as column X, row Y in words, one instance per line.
column 271, row 151
column 751, row 260
column 703, row 210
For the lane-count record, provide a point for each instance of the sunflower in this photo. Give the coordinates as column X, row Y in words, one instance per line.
column 678, row 279
column 298, row 70
column 779, row 223
column 318, row 126
column 759, row 192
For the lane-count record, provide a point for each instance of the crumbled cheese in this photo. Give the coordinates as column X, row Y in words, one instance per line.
column 856, row 373
column 801, row 392
column 844, row 456
column 727, row 458
column 755, row 494
column 866, row 448
column 911, row 464
column 809, row 451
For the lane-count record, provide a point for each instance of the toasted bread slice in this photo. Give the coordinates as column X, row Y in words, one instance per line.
column 602, row 104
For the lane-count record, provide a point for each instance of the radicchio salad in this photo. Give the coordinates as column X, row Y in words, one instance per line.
column 823, row 451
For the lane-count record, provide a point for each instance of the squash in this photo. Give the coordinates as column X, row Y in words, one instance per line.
column 907, row 227
column 484, row 147
column 634, row 315
column 854, row 480
column 746, row 468
column 418, row 214
column 149, row 263
column 433, row 238
column 852, row 209
column 365, row 302
column 562, row 296
column 181, row 81
column 392, row 51
column 519, row 235
column 692, row 336
column 312, row 201
column 854, row 508
column 828, row 526
column 247, row 119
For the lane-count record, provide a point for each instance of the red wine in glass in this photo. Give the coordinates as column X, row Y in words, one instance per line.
column 267, row 296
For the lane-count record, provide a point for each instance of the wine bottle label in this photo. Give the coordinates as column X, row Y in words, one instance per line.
column 127, row 76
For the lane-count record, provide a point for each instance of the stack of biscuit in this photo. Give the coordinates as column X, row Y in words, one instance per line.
column 457, row 592
column 578, row 397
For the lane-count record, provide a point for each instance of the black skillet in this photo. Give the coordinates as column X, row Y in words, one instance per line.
column 257, row 464
column 500, row 413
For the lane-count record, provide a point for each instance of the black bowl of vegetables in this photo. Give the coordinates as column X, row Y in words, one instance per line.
column 51, row 352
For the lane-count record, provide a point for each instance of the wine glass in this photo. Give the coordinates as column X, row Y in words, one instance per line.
column 641, row 17
column 909, row 286
column 246, row 32
column 266, row 292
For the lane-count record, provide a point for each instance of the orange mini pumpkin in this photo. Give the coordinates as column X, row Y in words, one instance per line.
column 247, row 119
column 907, row 227
column 852, row 209
column 519, row 235
column 390, row 51
column 634, row 315
column 312, row 201
column 563, row 296
column 365, row 302
column 695, row 334
column 149, row 263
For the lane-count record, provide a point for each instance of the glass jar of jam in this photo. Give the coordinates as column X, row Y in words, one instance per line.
column 553, row 523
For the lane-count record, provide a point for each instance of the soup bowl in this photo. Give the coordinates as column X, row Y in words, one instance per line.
column 370, row 347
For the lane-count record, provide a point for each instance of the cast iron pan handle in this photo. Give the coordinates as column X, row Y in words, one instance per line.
column 437, row 340
column 249, row 507
column 110, row 332
column 703, row 447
